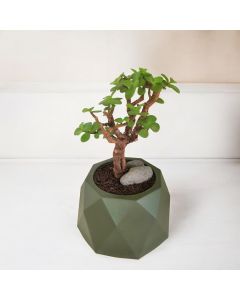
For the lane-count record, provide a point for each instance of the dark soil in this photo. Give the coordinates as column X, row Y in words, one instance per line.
column 105, row 180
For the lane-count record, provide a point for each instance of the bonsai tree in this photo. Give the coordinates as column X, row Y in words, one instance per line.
column 138, row 92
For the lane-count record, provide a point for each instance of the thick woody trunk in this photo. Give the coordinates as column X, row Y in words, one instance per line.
column 119, row 160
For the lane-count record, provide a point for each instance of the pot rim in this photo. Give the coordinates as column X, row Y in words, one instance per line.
column 157, row 184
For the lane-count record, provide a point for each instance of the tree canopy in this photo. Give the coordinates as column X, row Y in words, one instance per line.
column 138, row 91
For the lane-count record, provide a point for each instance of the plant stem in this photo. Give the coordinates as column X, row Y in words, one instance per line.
column 119, row 160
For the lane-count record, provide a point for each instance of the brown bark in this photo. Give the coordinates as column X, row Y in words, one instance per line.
column 119, row 160
column 140, row 99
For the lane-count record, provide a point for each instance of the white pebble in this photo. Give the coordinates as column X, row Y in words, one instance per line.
column 137, row 175
column 135, row 163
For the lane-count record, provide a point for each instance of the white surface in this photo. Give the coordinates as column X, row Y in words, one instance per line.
column 37, row 121
column 39, row 205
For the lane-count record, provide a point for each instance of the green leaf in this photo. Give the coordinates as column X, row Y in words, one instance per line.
column 142, row 70
column 126, row 82
column 130, row 123
column 96, row 111
column 87, row 127
column 135, row 79
column 164, row 84
column 155, row 127
column 85, row 137
column 88, row 109
column 109, row 100
column 115, row 101
column 96, row 135
column 142, row 81
column 117, row 80
column 148, row 121
column 151, row 118
column 165, row 77
column 172, row 80
column 143, row 133
column 130, row 106
column 133, row 110
column 123, row 89
column 77, row 131
column 119, row 120
column 113, row 89
column 157, row 87
column 176, row 89
column 130, row 92
column 158, row 79
column 149, row 78
column 141, row 91
column 157, row 84
column 95, row 127
column 160, row 100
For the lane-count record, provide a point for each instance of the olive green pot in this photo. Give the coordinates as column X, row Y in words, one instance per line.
column 127, row 226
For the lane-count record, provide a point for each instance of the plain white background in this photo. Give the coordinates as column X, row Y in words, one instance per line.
column 97, row 56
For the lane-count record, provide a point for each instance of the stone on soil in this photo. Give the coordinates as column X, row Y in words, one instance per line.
column 135, row 163
column 137, row 175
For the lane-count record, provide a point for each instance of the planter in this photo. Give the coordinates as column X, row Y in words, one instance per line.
column 127, row 226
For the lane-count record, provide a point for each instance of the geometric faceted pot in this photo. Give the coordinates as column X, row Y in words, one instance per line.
column 127, row 226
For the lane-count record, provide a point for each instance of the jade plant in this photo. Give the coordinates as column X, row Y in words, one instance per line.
column 138, row 92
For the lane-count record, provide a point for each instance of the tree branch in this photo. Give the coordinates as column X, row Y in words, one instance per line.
column 116, row 130
column 151, row 101
column 106, row 133
column 121, row 125
column 140, row 99
column 109, row 115
column 113, row 127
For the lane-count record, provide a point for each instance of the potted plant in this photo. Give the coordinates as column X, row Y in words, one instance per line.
column 124, row 202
